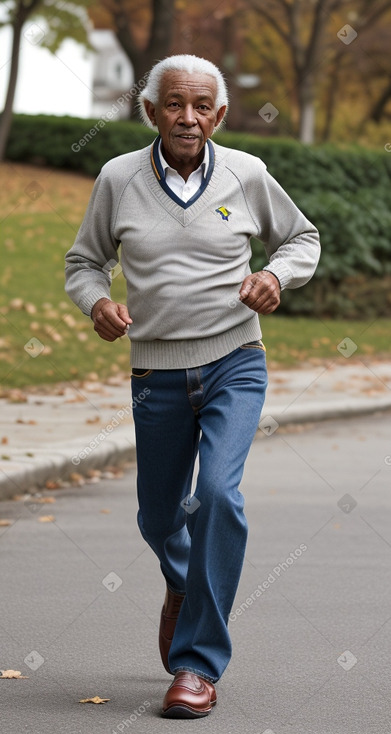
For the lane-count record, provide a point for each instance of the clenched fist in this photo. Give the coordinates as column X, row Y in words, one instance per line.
column 110, row 319
column 261, row 292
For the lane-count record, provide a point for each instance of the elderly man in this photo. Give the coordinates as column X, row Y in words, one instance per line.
column 184, row 210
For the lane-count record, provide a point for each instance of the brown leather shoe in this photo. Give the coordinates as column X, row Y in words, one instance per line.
column 189, row 697
column 168, row 619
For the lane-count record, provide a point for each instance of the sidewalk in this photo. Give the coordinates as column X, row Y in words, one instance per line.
column 75, row 434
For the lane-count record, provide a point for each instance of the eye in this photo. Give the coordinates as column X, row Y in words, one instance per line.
column 203, row 107
column 173, row 104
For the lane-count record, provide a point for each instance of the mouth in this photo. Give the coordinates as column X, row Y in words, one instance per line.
column 188, row 137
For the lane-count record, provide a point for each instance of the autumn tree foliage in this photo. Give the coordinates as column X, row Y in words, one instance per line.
column 303, row 57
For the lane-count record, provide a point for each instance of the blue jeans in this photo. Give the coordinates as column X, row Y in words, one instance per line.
column 200, row 541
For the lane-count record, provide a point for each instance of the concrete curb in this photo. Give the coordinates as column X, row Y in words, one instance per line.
column 54, row 461
column 321, row 411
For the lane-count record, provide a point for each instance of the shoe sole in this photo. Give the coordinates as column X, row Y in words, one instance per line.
column 184, row 712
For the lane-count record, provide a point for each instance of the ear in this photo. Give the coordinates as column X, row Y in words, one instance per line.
column 150, row 110
column 220, row 114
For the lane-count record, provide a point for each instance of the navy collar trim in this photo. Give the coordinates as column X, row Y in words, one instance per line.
column 159, row 173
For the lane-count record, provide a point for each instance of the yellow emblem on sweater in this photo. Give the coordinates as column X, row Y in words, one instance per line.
column 224, row 212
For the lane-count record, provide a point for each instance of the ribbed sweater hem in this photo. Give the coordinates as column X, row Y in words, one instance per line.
column 167, row 354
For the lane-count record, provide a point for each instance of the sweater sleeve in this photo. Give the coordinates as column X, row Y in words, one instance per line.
column 290, row 240
column 95, row 251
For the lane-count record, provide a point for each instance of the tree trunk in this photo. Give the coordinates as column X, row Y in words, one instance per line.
column 331, row 97
column 306, row 110
column 230, row 68
column 6, row 116
column 158, row 44
column 377, row 111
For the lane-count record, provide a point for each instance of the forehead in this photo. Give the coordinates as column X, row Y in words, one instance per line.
column 186, row 84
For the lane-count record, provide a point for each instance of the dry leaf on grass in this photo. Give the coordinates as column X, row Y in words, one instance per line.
column 95, row 699
column 12, row 674
column 46, row 518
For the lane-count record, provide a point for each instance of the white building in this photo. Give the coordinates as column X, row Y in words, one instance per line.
column 73, row 81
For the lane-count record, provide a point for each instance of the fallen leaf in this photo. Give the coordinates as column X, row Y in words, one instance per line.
column 52, row 484
column 43, row 500
column 77, row 479
column 46, row 518
column 12, row 674
column 69, row 320
column 95, row 699
column 16, row 304
column 17, row 396
column 5, row 523
column 105, row 511
column 94, row 473
column 4, row 440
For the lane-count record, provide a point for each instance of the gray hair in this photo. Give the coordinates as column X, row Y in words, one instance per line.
column 182, row 62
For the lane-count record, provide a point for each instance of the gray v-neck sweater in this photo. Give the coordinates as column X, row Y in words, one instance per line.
column 184, row 266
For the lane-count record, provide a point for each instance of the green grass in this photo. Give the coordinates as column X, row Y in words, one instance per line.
column 33, row 304
column 294, row 341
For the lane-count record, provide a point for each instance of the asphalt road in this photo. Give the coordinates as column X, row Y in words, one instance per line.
column 311, row 625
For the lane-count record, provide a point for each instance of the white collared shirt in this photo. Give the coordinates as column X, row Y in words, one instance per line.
column 184, row 189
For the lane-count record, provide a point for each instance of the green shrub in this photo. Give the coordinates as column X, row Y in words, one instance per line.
column 67, row 142
column 345, row 192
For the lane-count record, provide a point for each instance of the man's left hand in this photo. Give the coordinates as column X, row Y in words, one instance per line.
column 261, row 292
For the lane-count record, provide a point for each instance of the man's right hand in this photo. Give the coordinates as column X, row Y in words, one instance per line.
column 110, row 319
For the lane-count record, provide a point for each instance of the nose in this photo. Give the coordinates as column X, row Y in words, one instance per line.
column 188, row 116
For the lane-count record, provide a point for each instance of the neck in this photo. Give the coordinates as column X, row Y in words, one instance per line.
column 184, row 167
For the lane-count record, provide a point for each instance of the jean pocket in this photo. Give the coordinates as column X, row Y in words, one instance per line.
column 140, row 372
column 254, row 345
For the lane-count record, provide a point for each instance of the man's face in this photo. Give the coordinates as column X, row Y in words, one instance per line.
column 185, row 115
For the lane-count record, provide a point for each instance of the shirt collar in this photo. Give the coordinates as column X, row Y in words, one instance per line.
column 204, row 167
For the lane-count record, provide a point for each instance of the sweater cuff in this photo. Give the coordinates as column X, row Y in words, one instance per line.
column 88, row 301
column 281, row 272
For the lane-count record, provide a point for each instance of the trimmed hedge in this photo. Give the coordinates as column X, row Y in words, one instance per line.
column 345, row 192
